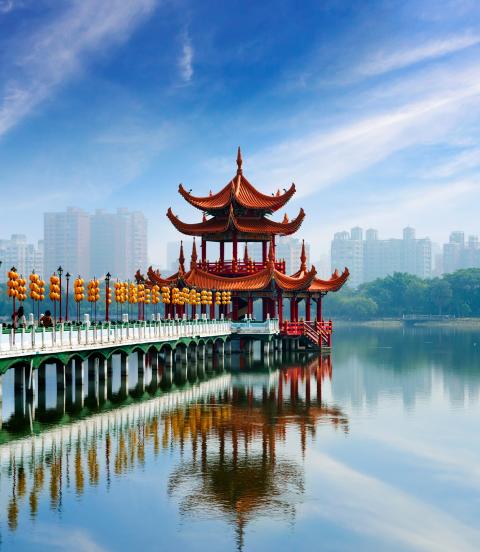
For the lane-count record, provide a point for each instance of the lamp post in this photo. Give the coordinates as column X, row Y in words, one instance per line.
column 107, row 294
column 60, row 272
column 67, row 276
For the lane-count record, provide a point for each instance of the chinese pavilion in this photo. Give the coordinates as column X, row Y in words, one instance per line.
column 239, row 213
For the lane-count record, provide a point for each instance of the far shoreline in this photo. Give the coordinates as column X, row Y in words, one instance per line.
column 396, row 323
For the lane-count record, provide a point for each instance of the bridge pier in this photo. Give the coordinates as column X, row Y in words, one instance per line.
column 140, row 372
column 102, row 380
column 154, row 378
column 92, row 396
column 79, row 383
column 42, row 388
column 123, row 374
column 109, row 377
column 69, row 383
column 60, row 381
column 18, row 389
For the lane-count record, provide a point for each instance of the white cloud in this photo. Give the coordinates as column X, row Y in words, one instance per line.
column 383, row 62
column 323, row 158
column 64, row 538
column 58, row 51
column 185, row 62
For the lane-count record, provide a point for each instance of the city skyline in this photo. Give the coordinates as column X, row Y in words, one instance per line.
column 383, row 133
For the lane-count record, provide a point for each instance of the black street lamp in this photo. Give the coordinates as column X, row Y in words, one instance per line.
column 107, row 294
column 60, row 272
column 67, row 276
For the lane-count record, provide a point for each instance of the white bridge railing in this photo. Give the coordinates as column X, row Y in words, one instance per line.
column 32, row 340
column 249, row 326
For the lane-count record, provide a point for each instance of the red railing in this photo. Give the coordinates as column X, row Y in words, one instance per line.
column 240, row 267
column 319, row 333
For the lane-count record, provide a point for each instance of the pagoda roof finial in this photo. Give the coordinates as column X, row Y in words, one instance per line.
column 271, row 253
column 245, row 254
column 181, row 259
column 193, row 258
column 239, row 161
column 303, row 257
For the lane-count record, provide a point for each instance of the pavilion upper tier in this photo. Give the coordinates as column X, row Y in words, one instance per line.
column 238, row 212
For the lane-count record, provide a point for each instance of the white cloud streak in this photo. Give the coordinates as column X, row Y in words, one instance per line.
column 185, row 62
column 321, row 159
column 384, row 62
column 59, row 50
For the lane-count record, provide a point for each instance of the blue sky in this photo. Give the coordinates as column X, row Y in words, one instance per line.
column 371, row 108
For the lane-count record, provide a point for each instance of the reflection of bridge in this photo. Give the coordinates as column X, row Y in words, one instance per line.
column 232, row 424
column 414, row 319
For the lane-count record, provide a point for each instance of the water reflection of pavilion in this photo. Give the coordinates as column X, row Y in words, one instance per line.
column 230, row 425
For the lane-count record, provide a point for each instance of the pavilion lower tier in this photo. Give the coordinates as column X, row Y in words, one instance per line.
column 285, row 307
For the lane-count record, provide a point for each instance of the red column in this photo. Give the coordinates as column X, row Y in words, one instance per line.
column 235, row 247
column 222, row 252
column 307, row 308
column 280, row 307
column 250, row 305
column 292, row 309
column 319, row 309
column 212, row 310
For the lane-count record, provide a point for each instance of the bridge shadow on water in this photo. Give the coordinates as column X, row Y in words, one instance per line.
column 225, row 418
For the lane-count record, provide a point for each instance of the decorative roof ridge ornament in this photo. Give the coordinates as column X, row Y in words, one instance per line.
column 245, row 254
column 193, row 259
column 271, row 255
column 239, row 161
column 181, row 259
column 303, row 258
column 286, row 220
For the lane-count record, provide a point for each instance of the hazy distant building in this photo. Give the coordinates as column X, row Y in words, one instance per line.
column 458, row 254
column 118, row 243
column 66, row 238
column 25, row 257
column 347, row 251
column 290, row 249
column 374, row 258
column 92, row 245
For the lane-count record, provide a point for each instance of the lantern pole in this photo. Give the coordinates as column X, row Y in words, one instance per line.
column 60, row 272
column 13, row 269
column 107, row 294
column 67, row 276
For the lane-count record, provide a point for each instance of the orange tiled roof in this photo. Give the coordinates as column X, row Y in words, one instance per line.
column 245, row 225
column 201, row 279
column 334, row 284
column 240, row 191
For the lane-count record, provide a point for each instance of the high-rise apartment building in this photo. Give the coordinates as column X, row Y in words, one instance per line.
column 25, row 257
column 458, row 254
column 374, row 258
column 66, row 238
column 118, row 243
column 347, row 251
column 92, row 245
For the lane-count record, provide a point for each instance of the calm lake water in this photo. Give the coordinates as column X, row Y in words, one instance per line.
column 374, row 448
